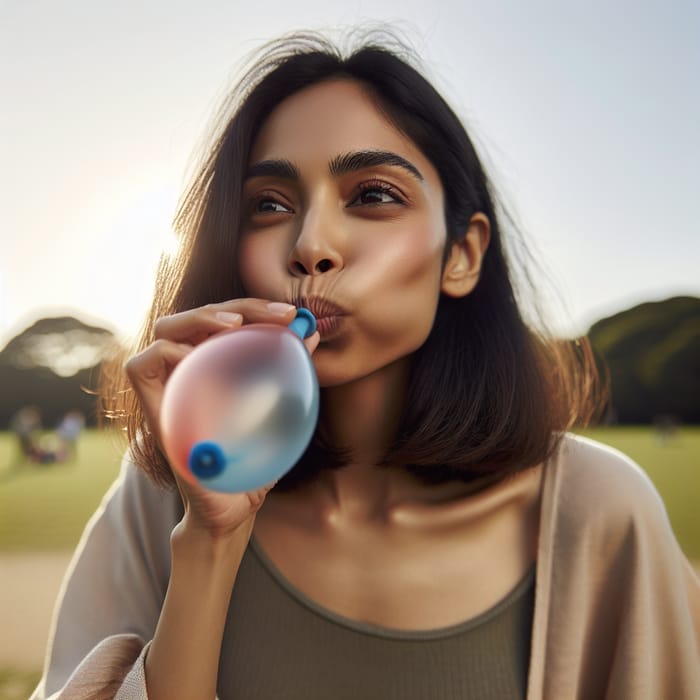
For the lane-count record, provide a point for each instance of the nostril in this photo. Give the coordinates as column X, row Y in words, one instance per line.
column 324, row 265
column 298, row 267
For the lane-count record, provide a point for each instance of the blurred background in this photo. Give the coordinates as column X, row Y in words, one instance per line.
column 585, row 115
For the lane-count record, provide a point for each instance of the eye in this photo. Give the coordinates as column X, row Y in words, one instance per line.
column 268, row 204
column 375, row 193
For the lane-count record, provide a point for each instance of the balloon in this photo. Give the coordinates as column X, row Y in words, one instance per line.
column 240, row 410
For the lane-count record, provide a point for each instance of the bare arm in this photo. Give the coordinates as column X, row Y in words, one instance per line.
column 208, row 544
column 183, row 659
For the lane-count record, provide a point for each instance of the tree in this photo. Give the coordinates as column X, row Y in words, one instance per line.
column 53, row 365
column 652, row 353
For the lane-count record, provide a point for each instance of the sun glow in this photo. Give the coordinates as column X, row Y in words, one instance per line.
column 146, row 220
column 139, row 233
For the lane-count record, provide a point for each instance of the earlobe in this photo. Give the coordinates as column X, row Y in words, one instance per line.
column 463, row 266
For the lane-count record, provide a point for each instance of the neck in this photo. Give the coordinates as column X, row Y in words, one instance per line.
column 363, row 417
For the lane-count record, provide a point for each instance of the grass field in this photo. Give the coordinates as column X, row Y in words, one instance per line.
column 674, row 467
column 46, row 507
column 17, row 684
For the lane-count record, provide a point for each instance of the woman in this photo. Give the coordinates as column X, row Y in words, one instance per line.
column 443, row 536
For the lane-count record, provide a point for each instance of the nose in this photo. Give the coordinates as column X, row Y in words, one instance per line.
column 317, row 249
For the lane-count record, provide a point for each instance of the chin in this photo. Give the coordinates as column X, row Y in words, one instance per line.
column 330, row 379
column 340, row 361
column 334, row 371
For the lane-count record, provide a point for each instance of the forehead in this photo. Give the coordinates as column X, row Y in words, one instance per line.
column 329, row 118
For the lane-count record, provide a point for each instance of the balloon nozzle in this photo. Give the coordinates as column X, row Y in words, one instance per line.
column 304, row 324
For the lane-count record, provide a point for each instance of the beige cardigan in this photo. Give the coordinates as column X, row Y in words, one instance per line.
column 617, row 605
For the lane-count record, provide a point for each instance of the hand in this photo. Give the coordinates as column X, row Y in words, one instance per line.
column 175, row 337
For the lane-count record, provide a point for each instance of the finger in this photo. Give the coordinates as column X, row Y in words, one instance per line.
column 259, row 310
column 312, row 342
column 148, row 372
column 156, row 362
column 257, row 496
column 196, row 325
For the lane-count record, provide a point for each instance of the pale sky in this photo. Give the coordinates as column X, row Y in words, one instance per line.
column 587, row 115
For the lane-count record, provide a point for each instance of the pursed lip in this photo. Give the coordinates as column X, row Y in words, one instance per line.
column 320, row 307
column 328, row 314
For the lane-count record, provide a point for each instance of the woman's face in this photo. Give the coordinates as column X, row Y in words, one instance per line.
column 343, row 214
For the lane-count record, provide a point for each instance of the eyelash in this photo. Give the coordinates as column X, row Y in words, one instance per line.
column 267, row 197
column 363, row 188
column 381, row 186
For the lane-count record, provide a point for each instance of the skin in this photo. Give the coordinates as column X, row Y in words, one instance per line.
column 364, row 542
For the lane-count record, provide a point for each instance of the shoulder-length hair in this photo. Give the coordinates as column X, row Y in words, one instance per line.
column 489, row 394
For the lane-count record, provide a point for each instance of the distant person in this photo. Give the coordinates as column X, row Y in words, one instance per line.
column 666, row 429
column 26, row 425
column 445, row 536
column 41, row 446
column 69, row 430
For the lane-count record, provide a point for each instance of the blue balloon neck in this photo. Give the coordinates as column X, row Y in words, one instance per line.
column 304, row 324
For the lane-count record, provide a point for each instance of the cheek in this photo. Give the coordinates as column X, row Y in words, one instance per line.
column 256, row 258
column 411, row 260
column 406, row 286
column 405, row 251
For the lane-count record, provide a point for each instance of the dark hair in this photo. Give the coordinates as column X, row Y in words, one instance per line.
column 488, row 394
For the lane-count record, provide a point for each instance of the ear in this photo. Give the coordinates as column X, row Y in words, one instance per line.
column 463, row 265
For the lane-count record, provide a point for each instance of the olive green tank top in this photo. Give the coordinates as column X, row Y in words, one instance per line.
column 279, row 644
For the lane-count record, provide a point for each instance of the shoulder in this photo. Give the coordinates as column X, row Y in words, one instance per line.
column 598, row 487
column 613, row 586
column 135, row 502
column 597, row 468
column 590, row 471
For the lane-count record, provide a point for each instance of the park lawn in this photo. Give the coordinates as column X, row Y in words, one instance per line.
column 674, row 467
column 46, row 507
column 17, row 684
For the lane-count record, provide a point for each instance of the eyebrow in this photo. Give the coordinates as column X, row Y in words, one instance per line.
column 358, row 160
column 273, row 168
column 340, row 165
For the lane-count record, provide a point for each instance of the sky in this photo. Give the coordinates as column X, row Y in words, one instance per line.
column 585, row 114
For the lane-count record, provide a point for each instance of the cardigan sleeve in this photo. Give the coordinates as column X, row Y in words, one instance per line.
column 617, row 611
column 112, row 594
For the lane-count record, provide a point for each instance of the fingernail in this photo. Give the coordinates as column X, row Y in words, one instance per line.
column 228, row 317
column 278, row 307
